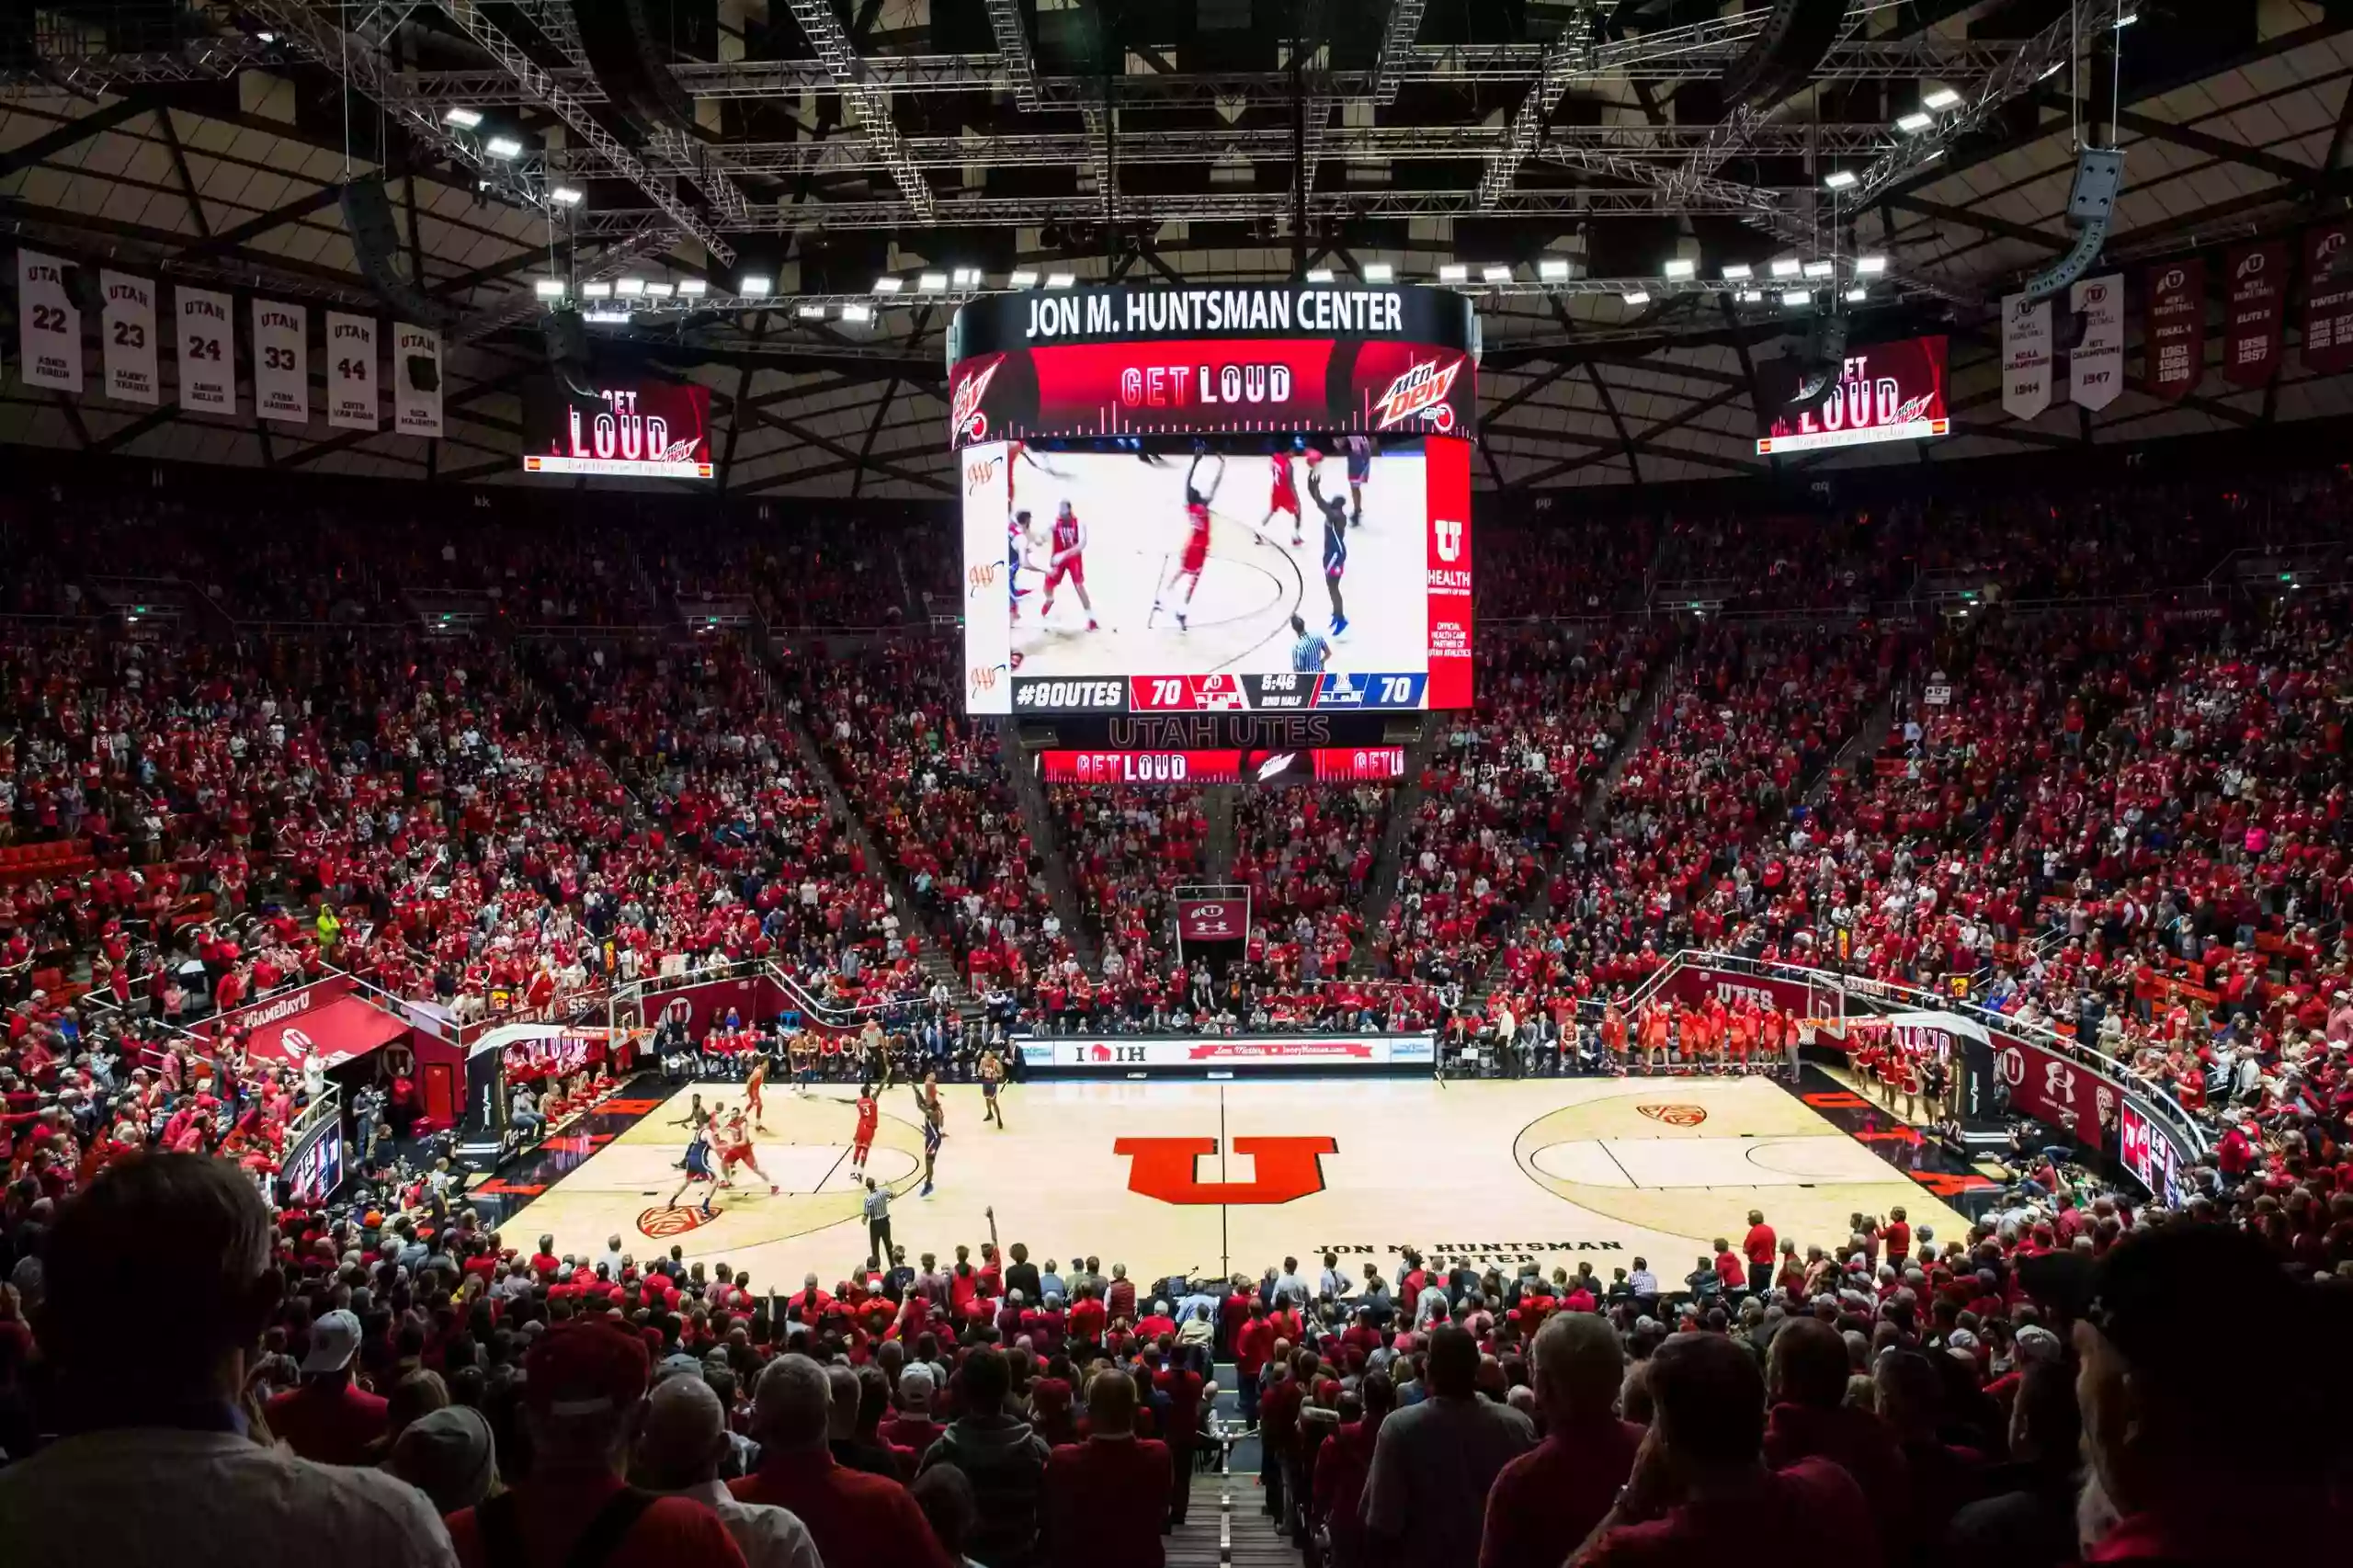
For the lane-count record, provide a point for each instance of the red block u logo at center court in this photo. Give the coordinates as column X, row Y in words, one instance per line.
column 1281, row 1169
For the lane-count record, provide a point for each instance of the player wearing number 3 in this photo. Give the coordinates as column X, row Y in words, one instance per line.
column 1068, row 560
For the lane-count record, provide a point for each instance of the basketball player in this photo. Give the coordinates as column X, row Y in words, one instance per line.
column 698, row 1170
column 1068, row 560
column 735, row 1149
column 992, row 1074
column 935, row 1126
column 1285, row 498
column 869, row 1115
column 1360, row 472
column 1197, row 543
column 1017, row 534
column 697, row 1118
column 754, row 1085
column 1336, row 544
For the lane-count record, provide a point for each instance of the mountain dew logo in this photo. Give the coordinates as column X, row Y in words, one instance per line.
column 965, row 420
column 1421, row 390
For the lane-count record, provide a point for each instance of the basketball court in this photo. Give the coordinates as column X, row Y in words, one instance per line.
column 1209, row 1177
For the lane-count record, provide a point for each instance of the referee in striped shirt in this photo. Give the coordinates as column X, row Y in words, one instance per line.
column 1309, row 653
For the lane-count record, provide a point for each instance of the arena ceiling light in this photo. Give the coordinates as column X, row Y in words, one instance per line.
column 811, row 312
column 1840, row 179
column 1786, row 265
column 1495, row 273
column 1817, row 269
column 1378, row 272
column 1552, row 270
column 753, row 287
column 1454, row 272
column 605, row 318
column 595, row 290
column 1060, row 279
column 1021, row 278
column 1939, row 99
column 1682, row 266
column 967, row 277
column 565, row 196
column 1857, row 294
column 888, row 285
column 1752, row 296
column 462, row 117
column 858, row 313
column 1797, row 298
column 1319, row 274
column 548, row 288
column 932, row 283
column 1636, row 296
column 502, row 147
column 1738, row 272
column 692, row 287
column 629, row 287
column 657, row 291
column 1915, row 122
column 1870, row 266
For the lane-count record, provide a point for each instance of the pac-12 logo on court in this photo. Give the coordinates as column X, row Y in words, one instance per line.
column 663, row 1223
column 1675, row 1115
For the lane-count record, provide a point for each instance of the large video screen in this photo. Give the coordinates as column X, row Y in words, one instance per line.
column 633, row 428
column 1320, row 765
column 1890, row 391
column 1119, row 583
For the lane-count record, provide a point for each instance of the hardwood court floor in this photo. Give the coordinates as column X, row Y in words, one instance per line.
column 1202, row 1176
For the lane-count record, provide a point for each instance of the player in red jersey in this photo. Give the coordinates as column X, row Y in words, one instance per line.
column 1197, row 542
column 1068, row 560
column 869, row 1116
column 735, row 1149
column 753, row 1087
column 1284, row 497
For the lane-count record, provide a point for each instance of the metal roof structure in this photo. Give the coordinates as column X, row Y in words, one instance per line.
column 1181, row 140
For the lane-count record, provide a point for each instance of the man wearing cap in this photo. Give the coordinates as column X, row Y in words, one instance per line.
column 2212, row 1443
column 858, row 1520
column 163, row 1467
column 327, row 1419
column 583, row 1399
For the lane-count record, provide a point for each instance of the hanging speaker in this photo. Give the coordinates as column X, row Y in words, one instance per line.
column 2099, row 174
column 376, row 246
column 1795, row 37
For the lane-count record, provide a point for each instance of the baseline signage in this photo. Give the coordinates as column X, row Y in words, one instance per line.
column 2145, row 1150
column 1891, row 391
column 1121, row 361
column 1240, row 1054
column 313, row 1169
column 1361, row 764
column 649, row 429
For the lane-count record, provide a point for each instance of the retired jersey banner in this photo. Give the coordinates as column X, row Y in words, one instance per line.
column 127, row 330
column 2025, row 356
column 2329, row 297
column 416, row 380
column 207, row 355
column 282, row 361
column 2253, row 311
column 2095, row 368
column 2173, row 329
column 49, row 324
column 351, row 371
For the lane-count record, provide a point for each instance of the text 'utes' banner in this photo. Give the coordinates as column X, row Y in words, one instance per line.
column 2329, row 297
column 2173, row 331
column 1336, row 764
column 1890, row 391
column 654, row 429
column 2254, row 313
column 1213, row 919
column 1277, row 357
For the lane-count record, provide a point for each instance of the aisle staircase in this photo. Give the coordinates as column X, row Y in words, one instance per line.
column 1037, row 821
column 1223, row 1527
column 1221, row 843
column 1381, row 882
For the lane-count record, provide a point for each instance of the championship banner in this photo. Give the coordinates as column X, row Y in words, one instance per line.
column 282, row 361
column 2329, row 297
column 49, row 324
column 351, row 371
column 1079, row 1054
column 2025, row 356
column 2095, row 368
column 208, row 362
column 1121, row 361
column 2252, row 313
column 416, row 380
column 2173, row 329
column 127, row 334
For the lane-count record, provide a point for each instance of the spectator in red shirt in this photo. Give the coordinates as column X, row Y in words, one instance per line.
column 1759, row 1247
column 1808, row 1368
column 327, row 1419
column 1107, row 1498
column 1184, row 1390
column 912, row 1427
column 1345, row 1465
column 858, row 1520
column 1702, row 1492
column 1547, row 1500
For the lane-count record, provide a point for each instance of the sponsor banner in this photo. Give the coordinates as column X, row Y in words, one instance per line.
column 1213, row 919
column 2329, row 297
column 1375, row 765
column 327, row 1019
column 1890, row 391
column 313, row 1168
column 351, row 371
column 2053, row 1089
column 659, row 429
column 282, row 361
column 208, row 359
column 1447, row 467
column 416, row 359
column 1155, row 316
column 127, row 335
column 2096, row 367
column 1121, row 1053
column 1930, row 1034
column 49, row 324
column 2173, row 328
column 2025, row 355
column 2255, row 309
